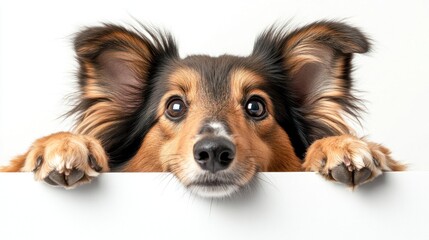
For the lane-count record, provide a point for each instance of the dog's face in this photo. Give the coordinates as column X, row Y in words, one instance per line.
column 214, row 121
column 215, row 125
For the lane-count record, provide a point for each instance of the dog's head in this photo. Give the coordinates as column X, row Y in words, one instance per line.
column 214, row 121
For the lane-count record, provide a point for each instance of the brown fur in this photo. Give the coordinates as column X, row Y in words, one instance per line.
column 167, row 137
column 309, row 57
column 127, row 80
column 15, row 164
column 327, row 153
column 62, row 152
column 270, row 143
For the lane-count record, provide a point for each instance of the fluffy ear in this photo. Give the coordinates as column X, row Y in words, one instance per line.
column 116, row 65
column 316, row 62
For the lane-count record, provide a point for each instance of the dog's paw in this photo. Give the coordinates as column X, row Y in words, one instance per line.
column 349, row 160
column 65, row 159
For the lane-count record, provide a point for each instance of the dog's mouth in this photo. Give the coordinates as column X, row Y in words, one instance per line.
column 215, row 185
column 215, row 189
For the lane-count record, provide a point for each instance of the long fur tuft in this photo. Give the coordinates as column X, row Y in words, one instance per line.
column 109, row 112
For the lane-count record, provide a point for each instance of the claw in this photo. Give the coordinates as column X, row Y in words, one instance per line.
column 38, row 163
column 376, row 162
column 347, row 161
column 323, row 163
column 93, row 163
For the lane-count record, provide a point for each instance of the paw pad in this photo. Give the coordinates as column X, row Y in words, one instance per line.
column 346, row 174
column 65, row 179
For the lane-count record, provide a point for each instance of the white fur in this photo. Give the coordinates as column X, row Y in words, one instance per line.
column 220, row 130
column 214, row 191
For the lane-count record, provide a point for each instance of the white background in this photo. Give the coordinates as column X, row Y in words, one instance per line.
column 37, row 62
column 154, row 206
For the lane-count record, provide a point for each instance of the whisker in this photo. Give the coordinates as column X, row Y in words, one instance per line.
column 267, row 180
column 211, row 203
column 169, row 162
column 171, row 176
column 168, row 155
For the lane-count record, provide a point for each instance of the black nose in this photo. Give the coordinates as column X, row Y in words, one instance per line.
column 214, row 153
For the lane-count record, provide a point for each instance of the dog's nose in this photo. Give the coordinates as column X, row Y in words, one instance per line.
column 214, row 153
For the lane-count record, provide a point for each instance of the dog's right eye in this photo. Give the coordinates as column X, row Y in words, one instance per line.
column 176, row 108
column 255, row 108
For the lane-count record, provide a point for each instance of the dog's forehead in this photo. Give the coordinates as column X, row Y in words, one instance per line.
column 217, row 76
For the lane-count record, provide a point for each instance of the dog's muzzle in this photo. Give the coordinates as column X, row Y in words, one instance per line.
column 214, row 153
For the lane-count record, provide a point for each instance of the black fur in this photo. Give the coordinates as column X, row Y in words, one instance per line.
column 269, row 48
column 267, row 59
column 123, row 141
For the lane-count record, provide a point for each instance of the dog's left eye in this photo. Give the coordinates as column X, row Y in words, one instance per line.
column 176, row 108
column 255, row 108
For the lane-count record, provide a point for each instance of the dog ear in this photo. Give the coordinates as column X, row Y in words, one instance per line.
column 115, row 67
column 317, row 59
column 316, row 62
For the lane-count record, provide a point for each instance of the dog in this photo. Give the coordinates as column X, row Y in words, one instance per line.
column 214, row 122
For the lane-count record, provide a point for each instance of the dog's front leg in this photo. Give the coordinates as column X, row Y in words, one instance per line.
column 62, row 159
column 349, row 160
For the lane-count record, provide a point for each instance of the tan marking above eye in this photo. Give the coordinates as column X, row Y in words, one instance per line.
column 243, row 81
column 185, row 80
column 182, row 83
column 245, row 84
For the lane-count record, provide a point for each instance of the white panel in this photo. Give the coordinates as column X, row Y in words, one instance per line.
column 155, row 206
